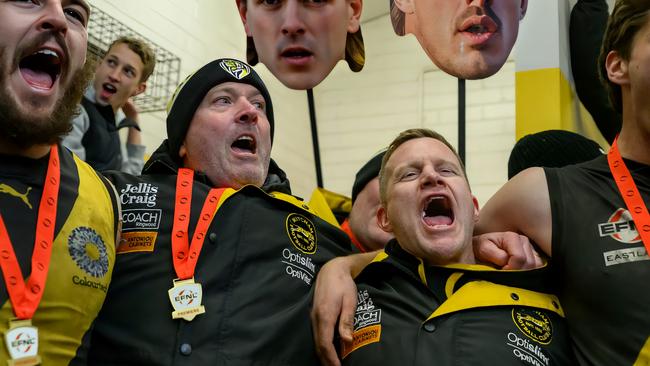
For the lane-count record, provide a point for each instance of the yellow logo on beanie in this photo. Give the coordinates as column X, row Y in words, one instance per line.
column 238, row 70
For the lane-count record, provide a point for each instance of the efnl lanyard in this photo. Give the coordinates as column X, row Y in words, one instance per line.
column 186, row 295
column 630, row 193
column 21, row 337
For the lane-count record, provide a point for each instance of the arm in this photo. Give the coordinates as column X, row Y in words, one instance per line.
column 523, row 206
column 335, row 299
column 134, row 154
column 73, row 140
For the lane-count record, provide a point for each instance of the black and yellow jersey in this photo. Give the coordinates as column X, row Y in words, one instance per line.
column 465, row 315
column 83, row 251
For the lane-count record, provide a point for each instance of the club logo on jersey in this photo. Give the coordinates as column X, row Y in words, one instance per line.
column 302, row 233
column 238, row 70
column 620, row 227
column 534, row 324
column 4, row 188
column 88, row 251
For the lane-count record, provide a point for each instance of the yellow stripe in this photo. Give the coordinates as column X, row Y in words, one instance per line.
column 644, row 355
column 421, row 272
column 451, row 282
column 380, row 256
column 544, row 101
column 487, row 294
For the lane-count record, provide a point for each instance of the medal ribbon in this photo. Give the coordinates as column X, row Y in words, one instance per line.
column 184, row 255
column 630, row 193
column 25, row 297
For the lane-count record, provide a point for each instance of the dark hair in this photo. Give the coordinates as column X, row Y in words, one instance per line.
column 143, row 50
column 398, row 18
column 628, row 17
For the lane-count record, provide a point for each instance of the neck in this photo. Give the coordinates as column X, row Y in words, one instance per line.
column 32, row 152
column 634, row 139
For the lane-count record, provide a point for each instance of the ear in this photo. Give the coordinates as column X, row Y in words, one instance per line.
column 382, row 219
column 355, row 15
column 616, row 68
column 406, row 6
column 140, row 89
column 476, row 209
column 524, row 7
column 241, row 6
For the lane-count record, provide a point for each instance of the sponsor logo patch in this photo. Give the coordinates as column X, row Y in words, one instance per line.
column 302, row 233
column 620, row 227
column 139, row 219
column 361, row 338
column 298, row 266
column 534, row 324
column 621, row 256
column 137, row 241
column 366, row 314
column 238, row 70
column 4, row 188
column 140, row 194
column 527, row 352
column 88, row 251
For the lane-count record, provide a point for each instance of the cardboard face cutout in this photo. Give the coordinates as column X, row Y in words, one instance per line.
column 466, row 39
column 300, row 42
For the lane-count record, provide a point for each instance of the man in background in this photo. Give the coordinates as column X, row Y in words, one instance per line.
column 107, row 107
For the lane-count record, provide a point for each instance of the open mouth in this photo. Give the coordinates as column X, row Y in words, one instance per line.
column 244, row 144
column 296, row 52
column 479, row 25
column 437, row 211
column 109, row 88
column 41, row 68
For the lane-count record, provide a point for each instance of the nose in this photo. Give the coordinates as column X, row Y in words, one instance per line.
column 53, row 18
column 114, row 74
column 430, row 178
column 479, row 3
column 247, row 112
column 292, row 22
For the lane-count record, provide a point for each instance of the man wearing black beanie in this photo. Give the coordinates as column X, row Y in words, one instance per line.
column 216, row 259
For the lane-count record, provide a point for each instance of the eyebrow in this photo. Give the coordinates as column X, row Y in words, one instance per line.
column 232, row 91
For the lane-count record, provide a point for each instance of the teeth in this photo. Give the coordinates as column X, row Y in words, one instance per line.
column 248, row 138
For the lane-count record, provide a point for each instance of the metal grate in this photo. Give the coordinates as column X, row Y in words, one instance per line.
column 104, row 29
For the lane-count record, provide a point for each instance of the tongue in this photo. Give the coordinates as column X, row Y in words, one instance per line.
column 37, row 79
column 437, row 220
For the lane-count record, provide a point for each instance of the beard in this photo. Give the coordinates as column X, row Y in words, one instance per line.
column 23, row 130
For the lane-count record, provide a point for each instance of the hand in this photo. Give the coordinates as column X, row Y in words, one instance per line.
column 130, row 110
column 507, row 250
column 335, row 299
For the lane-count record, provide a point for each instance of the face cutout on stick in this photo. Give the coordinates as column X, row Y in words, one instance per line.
column 301, row 41
column 469, row 39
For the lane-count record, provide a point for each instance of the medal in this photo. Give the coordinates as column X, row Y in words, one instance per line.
column 186, row 295
column 21, row 338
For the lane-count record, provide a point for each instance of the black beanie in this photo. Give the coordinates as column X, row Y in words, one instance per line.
column 367, row 173
column 553, row 149
column 192, row 90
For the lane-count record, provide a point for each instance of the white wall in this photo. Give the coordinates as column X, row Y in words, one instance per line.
column 199, row 31
column 358, row 113
column 400, row 88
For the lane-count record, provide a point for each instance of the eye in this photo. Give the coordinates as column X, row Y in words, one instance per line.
column 130, row 73
column 408, row 175
column 269, row 2
column 221, row 101
column 111, row 62
column 78, row 14
column 258, row 104
column 448, row 172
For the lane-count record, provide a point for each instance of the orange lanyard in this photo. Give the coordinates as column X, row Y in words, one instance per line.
column 25, row 297
column 185, row 255
column 630, row 193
